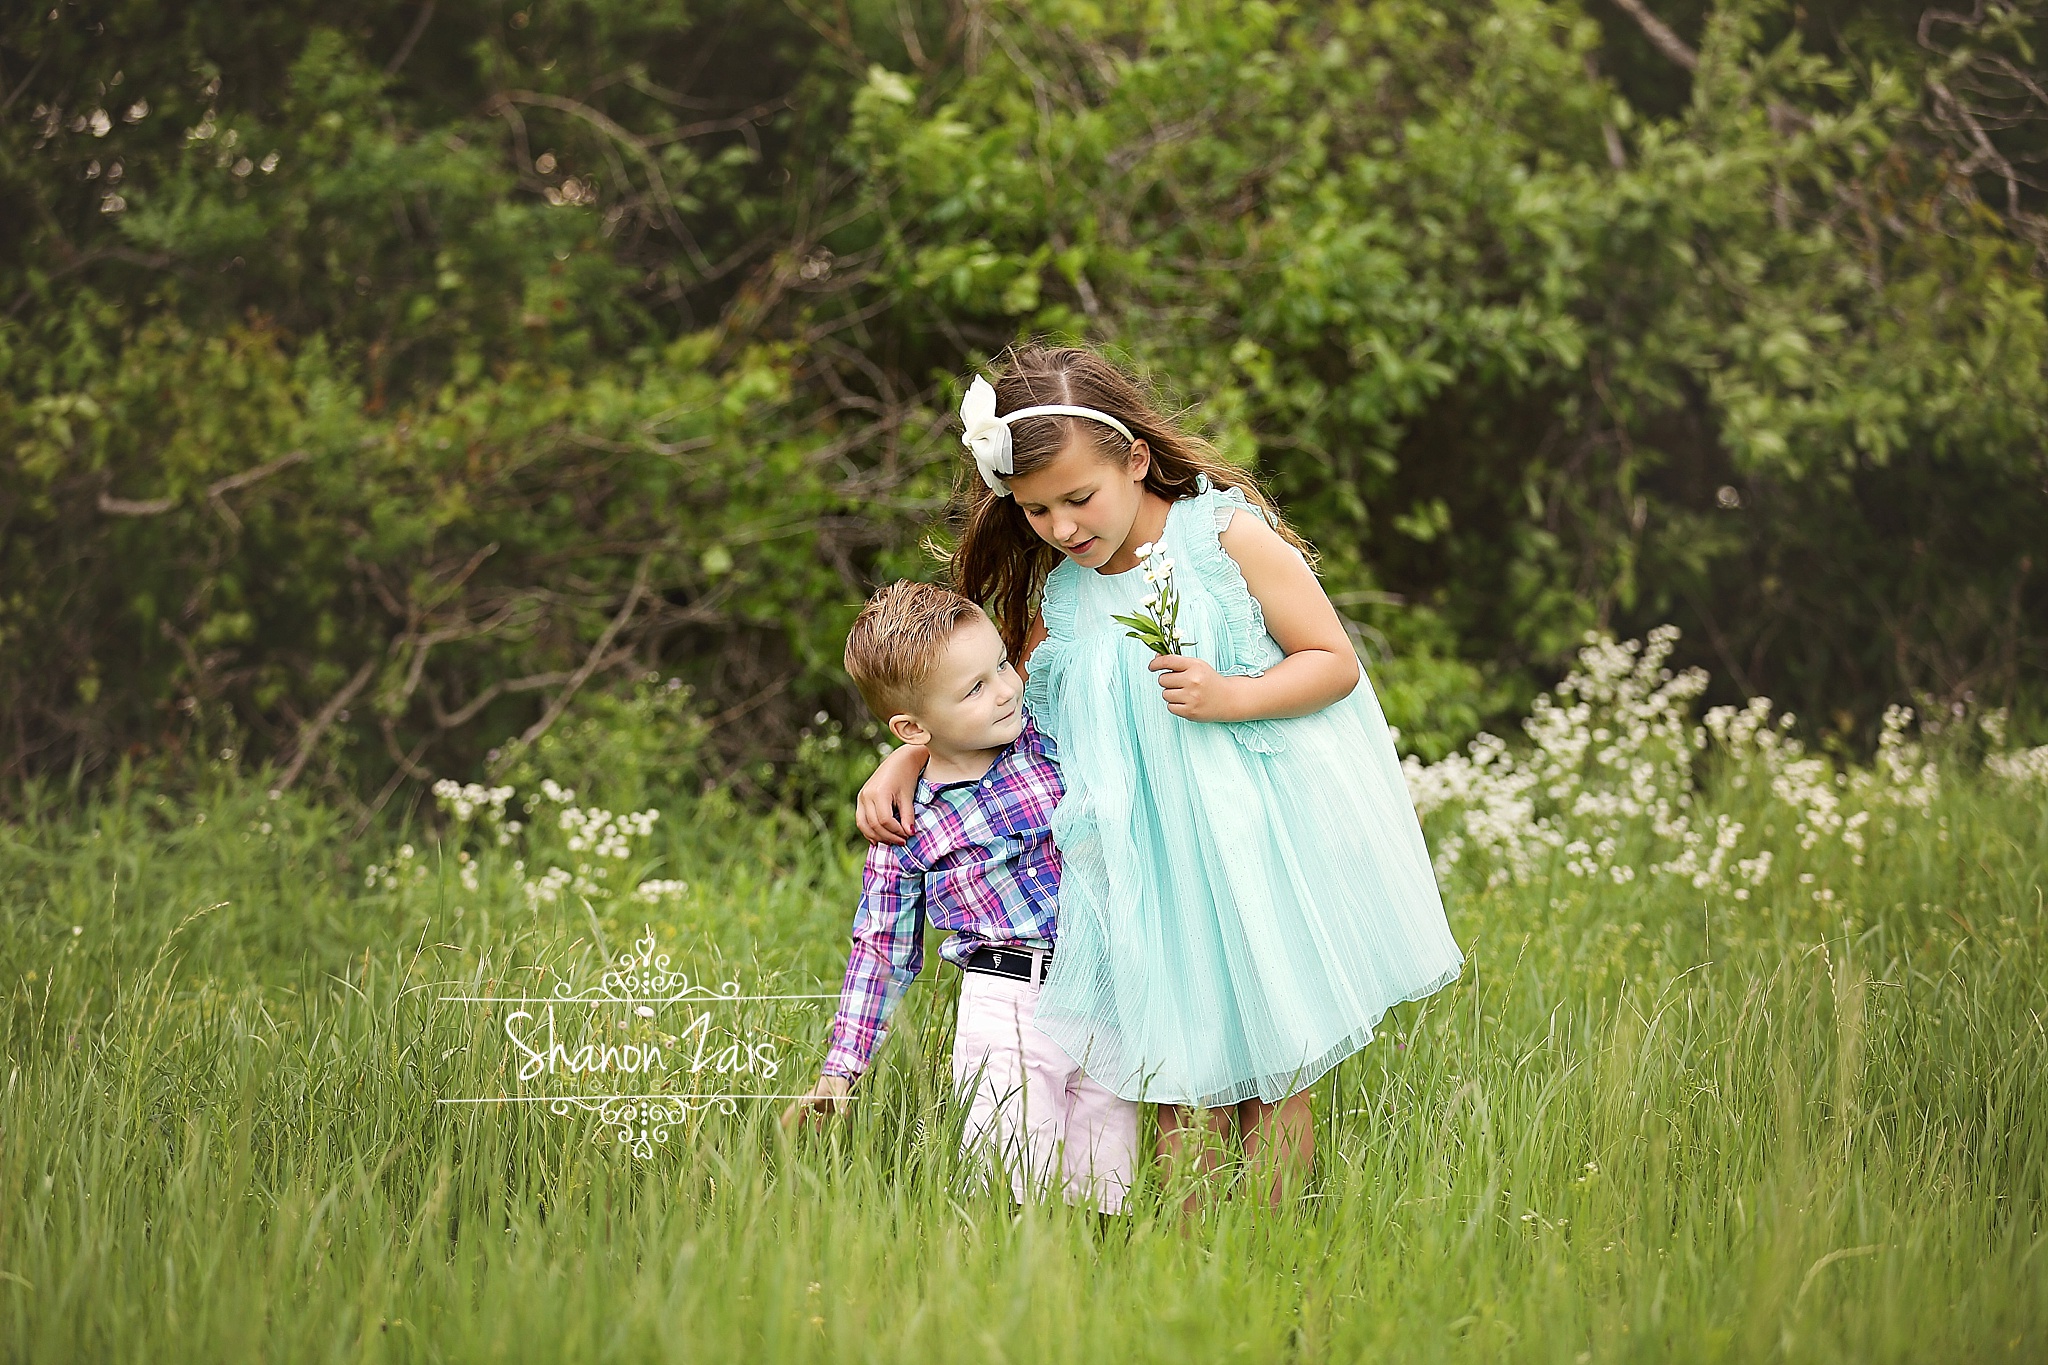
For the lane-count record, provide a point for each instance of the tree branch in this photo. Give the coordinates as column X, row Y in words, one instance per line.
column 449, row 720
column 423, row 643
column 1660, row 36
column 244, row 479
column 561, row 700
column 616, row 133
column 135, row 507
column 732, row 123
column 156, row 507
column 23, row 83
column 1987, row 151
column 419, row 26
column 309, row 734
column 408, row 763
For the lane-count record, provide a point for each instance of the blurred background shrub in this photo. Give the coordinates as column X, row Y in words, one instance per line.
column 387, row 389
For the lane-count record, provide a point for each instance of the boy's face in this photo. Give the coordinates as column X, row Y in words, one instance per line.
column 973, row 699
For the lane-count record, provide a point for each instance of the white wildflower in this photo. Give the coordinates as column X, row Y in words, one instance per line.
column 1612, row 757
column 2028, row 766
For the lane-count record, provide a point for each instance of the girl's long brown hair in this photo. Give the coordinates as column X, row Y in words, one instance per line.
column 999, row 560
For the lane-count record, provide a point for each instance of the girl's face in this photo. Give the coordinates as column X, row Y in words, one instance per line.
column 1084, row 506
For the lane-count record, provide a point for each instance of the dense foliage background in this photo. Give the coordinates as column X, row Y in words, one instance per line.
column 381, row 380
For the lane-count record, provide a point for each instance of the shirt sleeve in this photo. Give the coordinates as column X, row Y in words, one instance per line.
column 888, row 953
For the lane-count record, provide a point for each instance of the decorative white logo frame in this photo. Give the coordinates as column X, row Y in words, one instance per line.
column 639, row 979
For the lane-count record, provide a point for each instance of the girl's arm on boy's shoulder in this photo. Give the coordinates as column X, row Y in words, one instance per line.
column 1320, row 668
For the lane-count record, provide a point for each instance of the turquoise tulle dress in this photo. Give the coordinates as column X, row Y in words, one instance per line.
column 1239, row 902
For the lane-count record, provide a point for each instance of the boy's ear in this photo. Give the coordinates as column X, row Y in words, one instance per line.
column 905, row 727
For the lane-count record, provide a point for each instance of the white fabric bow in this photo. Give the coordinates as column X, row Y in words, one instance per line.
column 986, row 435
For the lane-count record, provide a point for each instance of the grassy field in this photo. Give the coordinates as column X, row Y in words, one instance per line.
column 1649, row 1123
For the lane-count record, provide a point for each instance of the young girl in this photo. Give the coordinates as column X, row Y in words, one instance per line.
column 1245, row 887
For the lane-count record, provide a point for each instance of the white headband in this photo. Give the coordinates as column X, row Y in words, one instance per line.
column 988, row 435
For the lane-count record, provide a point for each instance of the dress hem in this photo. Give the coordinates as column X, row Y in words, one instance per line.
column 1270, row 1089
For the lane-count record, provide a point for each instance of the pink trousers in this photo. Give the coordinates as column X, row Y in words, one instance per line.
column 1030, row 1109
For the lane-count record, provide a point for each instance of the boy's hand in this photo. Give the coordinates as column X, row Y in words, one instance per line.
column 1194, row 690
column 825, row 1100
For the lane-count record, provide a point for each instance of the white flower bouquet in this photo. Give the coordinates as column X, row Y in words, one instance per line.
column 1158, row 626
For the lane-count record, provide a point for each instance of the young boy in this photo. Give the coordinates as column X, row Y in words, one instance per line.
column 982, row 864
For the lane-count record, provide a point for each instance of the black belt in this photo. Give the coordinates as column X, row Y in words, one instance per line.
column 1017, row 963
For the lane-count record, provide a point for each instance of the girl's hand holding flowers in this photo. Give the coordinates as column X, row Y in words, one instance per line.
column 1195, row 690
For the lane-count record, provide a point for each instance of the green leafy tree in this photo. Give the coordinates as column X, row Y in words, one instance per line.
column 376, row 381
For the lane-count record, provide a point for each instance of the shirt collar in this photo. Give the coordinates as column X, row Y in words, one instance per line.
column 1028, row 741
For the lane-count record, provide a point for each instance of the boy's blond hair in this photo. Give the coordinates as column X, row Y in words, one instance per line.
column 897, row 639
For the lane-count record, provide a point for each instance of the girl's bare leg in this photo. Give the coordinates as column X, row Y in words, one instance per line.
column 1279, row 1142
column 1194, row 1140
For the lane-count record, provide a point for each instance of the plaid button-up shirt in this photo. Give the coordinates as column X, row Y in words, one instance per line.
column 980, row 863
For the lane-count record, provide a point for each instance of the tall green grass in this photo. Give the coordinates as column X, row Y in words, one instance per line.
column 1644, row 1125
